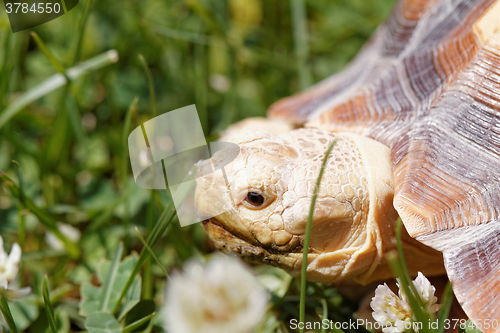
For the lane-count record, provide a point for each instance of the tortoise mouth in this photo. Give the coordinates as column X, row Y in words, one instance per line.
column 229, row 242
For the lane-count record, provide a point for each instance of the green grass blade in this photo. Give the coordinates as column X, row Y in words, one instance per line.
column 151, row 252
column 44, row 88
column 45, row 219
column 158, row 230
column 126, row 131
column 81, row 32
column 325, row 314
column 138, row 323
column 48, row 306
column 5, row 68
column 125, row 162
column 336, row 330
column 7, row 315
column 303, row 282
column 206, row 16
column 97, row 62
column 200, row 73
column 20, row 206
column 56, row 81
column 46, row 52
column 421, row 315
column 406, row 272
column 64, row 6
column 147, row 287
column 420, row 310
column 74, row 116
column 444, row 311
column 300, row 36
column 186, row 36
column 107, row 214
column 151, row 85
column 150, row 327
column 110, row 280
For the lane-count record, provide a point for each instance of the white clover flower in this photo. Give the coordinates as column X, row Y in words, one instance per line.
column 394, row 312
column 426, row 291
column 73, row 234
column 9, row 264
column 222, row 296
column 391, row 311
column 9, row 267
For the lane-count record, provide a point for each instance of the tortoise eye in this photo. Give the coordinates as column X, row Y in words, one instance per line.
column 255, row 199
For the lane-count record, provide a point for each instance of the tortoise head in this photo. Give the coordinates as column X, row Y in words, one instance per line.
column 266, row 195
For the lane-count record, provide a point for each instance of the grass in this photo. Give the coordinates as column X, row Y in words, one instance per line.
column 73, row 89
column 399, row 267
column 307, row 237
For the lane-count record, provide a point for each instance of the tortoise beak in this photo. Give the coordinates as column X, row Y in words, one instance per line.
column 229, row 242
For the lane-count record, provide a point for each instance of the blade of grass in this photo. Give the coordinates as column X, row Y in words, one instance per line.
column 48, row 306
column 56, row 150
column 7, row 315
column 57, row 294
column 17, row 59
column 125, row 163
column 158, row 230
column 336, row 330
column 420, row 310
column 421, row 315
column 325, row 314
column 126, row 131
column 56, row 81
column 187, row 36
column 300, row 36
column 261, row 54
column 5, row 68
column 201, row 87
column 160, row 227
column 281, row 327
column 46, row 52
column 150, row 327
column 20, row 206
column 206, row 16
column 147, row 287
column 444, row 311
column 81, row 32
column 107, row 214
column 74, row 115
column 152, row 94
column 45, row 219
column 41, row 255
column 64, row 6
column 67, row 104
column 138, row 323
column 406, row 272
column 303, row 281
column 113, row 271
column 151, row 252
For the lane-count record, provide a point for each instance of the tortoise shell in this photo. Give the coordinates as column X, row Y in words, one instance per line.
column 428, row 86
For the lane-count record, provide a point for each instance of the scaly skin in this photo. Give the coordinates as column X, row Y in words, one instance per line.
column 353, row 222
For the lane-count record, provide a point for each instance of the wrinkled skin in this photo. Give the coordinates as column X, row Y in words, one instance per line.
column 261, row 213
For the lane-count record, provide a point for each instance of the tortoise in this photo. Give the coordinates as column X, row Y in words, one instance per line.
column 416, row 119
